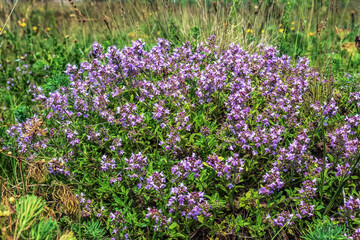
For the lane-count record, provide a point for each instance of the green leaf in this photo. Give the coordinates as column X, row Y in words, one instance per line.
column 173, row 225
column 212, row 109
column 191, row 139
column 320, row 207
column 142, row 225
column 177, row 235
column 206, row 164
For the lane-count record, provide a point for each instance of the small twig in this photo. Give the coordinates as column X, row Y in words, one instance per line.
column 12, row 10
column 75, row 8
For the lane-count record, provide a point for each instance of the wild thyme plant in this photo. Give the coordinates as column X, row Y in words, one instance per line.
column 164, row 142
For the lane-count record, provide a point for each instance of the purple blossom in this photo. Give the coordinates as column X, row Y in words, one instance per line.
column 188, row 204
column 154, row 97
column 157, row 216
column 351, row 207
column 156, row 181
column 86, row 205
column 107, row 163
column 282, row 219
column 187, row 166
column 58, row 165
column 273, row 181
column 343, row 170
column 355, row 235
column 308, row 189
column 136, row 165
column 171, row 143
column 304, row 210
column 227, row 169
column 117, row 221
column 29, row 135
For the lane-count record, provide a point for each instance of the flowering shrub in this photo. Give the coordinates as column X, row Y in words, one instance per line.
column 168, row 141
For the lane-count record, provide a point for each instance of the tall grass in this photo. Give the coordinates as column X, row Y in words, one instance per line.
column 316, row 29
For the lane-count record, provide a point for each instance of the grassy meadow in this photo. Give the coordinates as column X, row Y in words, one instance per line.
column 186, row 119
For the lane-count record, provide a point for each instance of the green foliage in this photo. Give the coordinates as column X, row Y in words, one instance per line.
column 44, row 230
column 93, row 230
column 326, row 231
column 21, row 113
column 284, row 43
column 195, row 31
column 55, row 81
column 68, row 236
column 174, row 33
column 233, row 10
column 28, row 212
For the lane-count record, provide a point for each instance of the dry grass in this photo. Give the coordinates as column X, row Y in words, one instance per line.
column 130, row 20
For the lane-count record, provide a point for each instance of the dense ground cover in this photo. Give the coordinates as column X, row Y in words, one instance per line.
column 189, row 137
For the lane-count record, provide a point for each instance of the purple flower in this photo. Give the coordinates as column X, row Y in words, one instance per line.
column 136, row 165
column 107, row 163
column 282, row 219
column 305, row 210
column 272, row 182
column 86, row 205
column 189, row 204
column 156, row 181
column 355, row 235
column 350, row 208
column 343, row 170
column 58, row 165
column 187, row 166
column 308, row 189
column 117, row 221
column 158, row 218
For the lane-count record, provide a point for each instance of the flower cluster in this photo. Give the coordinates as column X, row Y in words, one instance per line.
column 350, row 208
column 160, row 113
column 343, row 171
column 273, row 182
column 187, row 166
column 218, row 165
column 189, row 204
column 304, row 210
column 282, row 219
column 125, row 108
column 136, row 166
column 171, row 143
column 85, row 204
column 118, row 222
column 343, row 141
column 181, row 120
column 327, row 109
column 58, row 165
column 116, row 179
column 156, row 181
column 99, row 136
column 354, row 98
column 29, row 135
column 107, row 163
column 308, row 189
column 128, row 115
column 355, row 235
column 232, row 166
column 157, row 216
